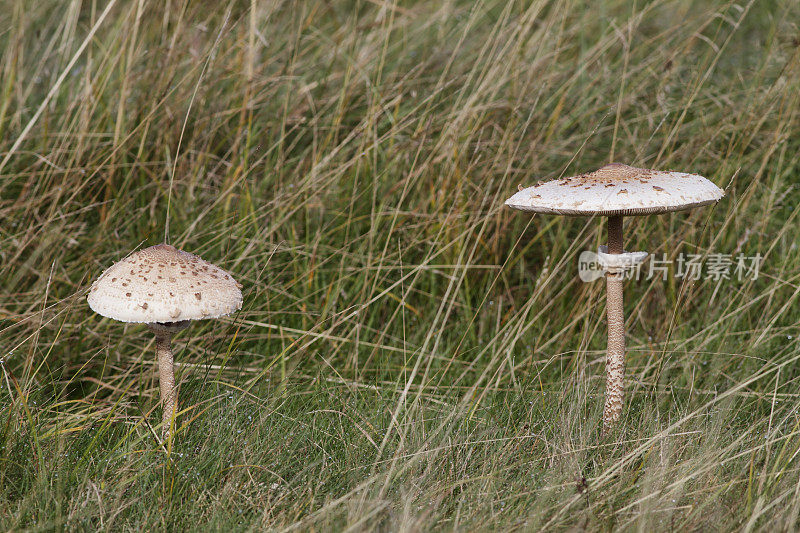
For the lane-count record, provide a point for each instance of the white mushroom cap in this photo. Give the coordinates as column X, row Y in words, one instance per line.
column 164, row 284
column 618, row 189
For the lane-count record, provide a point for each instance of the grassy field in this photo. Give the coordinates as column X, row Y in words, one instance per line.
column 411, row 355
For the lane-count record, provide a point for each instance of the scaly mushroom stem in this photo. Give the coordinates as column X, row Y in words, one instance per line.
column 166, row 371
column 615, row 354
column 166, row 378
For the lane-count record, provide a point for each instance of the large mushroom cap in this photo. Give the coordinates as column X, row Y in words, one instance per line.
column 164, row 284
column 618, row 189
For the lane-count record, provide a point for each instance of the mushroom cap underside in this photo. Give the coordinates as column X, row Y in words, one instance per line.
column 164, row 284
column 618, row 189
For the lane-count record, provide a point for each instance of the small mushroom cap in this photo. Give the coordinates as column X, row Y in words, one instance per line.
column 164, row 284
column 618, row 189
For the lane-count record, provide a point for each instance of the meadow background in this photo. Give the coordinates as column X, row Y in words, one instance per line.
column 411, row 355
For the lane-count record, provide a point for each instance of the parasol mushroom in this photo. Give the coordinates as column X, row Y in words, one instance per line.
column 617, row 190
column 164, row 288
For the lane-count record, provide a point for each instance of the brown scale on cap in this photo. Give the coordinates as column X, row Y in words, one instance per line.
column 609, row 175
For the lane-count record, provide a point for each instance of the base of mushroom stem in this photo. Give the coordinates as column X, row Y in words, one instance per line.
column 168, row 327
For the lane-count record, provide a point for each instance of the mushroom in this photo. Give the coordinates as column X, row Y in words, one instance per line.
column 164, row 288
column 617, row 190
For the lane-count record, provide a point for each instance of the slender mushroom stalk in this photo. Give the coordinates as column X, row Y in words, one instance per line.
column 166, row 371
column 615, row 353
column 165, row 288
column 617, row 190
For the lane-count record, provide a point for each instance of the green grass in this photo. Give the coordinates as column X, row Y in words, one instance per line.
column 411, row 355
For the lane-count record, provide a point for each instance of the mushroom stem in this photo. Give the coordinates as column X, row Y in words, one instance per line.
column 615, row 355
column 166, row 371
column 166, row 378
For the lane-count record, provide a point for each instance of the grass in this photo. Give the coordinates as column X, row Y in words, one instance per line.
column 411, row 355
